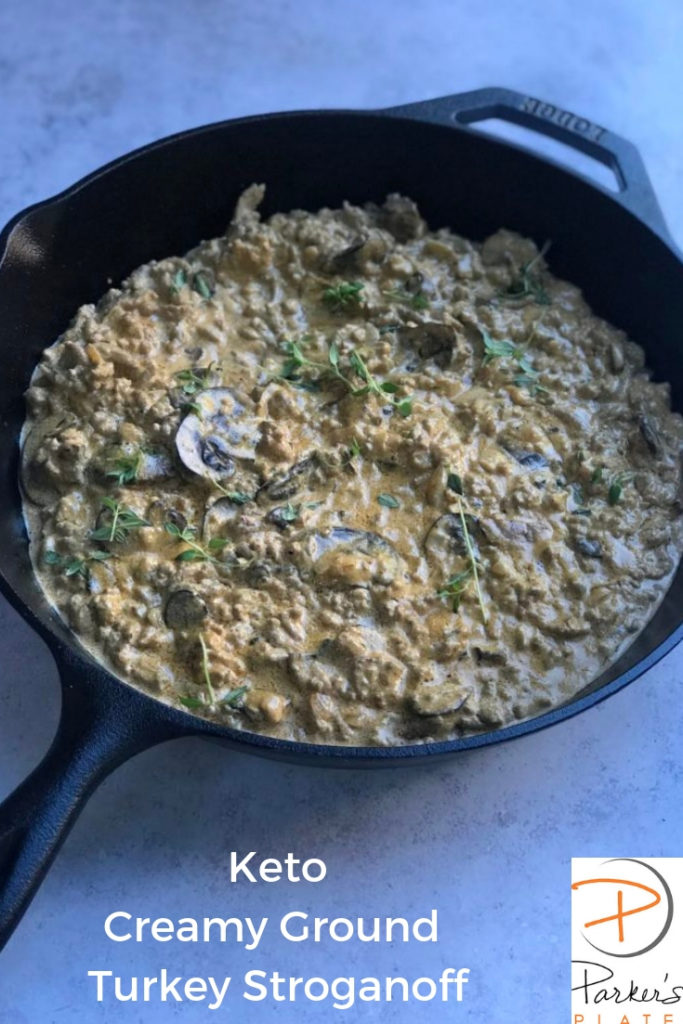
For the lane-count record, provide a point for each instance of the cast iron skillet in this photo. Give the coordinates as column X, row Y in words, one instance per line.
column 166, row 197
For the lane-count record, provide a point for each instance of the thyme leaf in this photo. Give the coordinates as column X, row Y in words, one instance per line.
column 233, row 699
column 201, row 285
column 178, row 281
column 616, row 487
column 388, row 501
column 454, row 483
column 343, row 295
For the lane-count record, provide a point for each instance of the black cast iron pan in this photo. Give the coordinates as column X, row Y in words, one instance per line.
column 165, row 198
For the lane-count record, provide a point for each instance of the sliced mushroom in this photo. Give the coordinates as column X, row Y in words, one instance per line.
column 184, row 610
column 446, row 537
column 401, row 218
column 210, row 442
column 36, row 480
column 530, row 460
column 346, row 259
column 588, row 547
column 431, row 340
column 291, row 481
column 354, row 558
column 650, row 435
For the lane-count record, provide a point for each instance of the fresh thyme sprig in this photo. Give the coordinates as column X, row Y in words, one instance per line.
column 232, row 699
column 343, row 295
column 527, row 284
column 193, row 378
column 386, row 390
column 194, row 552
column 495, row 349
column 455, row 587
column 473, row 559
column 125, row 469
column 122, row 520
column 616, row 487
column 72, row 565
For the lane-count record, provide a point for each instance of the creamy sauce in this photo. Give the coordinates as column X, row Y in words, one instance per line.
column 339, row 477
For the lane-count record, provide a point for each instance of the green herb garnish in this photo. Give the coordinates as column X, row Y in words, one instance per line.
column 388, row 501
column 472, row 558
column 125, row 468
column 72, row 565
column 616, row 487
column 528, row 284
column 194, row 552
column 201, row 285
column 455, row 587
column 457, row 584
column 416, row 300
column 342, row 295
column 386, row 390
column 178, row 281
column 454, row 483
column 121, row 520
column 232, row 699
column 494, row 349
column 355, row 449
column 238, row 497
column 193, row 379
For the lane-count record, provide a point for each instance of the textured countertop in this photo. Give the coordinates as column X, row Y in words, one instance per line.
column 487, row 838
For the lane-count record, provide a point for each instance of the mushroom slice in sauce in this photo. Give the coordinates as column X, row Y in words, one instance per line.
column 446, row 538
column 184, row 610
column 431, row 340
column 529, row 460
column 36, row 481
column 210, row 442
column 354, row 558
column 288, row 483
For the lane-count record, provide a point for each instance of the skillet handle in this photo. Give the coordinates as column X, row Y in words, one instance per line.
column 636, row 193
column 99, row 728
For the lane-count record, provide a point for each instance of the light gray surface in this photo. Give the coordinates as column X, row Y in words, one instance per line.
column 486, row 839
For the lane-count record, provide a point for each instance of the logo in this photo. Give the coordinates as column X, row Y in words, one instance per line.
column 628, row 896
column 626, row 939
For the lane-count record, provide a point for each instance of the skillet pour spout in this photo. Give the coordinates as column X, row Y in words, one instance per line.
column 62, row 253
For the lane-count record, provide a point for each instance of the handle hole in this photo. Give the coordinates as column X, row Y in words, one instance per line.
column 561, row 152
